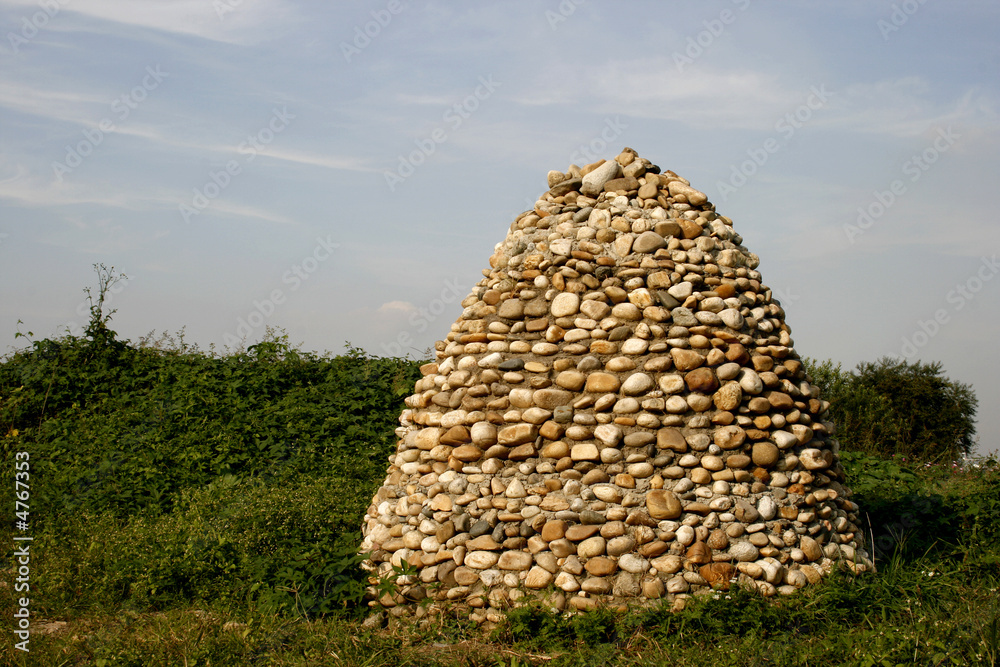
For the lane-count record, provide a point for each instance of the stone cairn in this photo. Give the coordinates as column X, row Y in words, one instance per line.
column 617, row 416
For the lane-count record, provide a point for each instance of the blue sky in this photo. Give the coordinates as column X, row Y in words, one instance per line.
column 343, row 170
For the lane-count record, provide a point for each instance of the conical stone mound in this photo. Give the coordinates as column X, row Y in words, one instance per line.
column 618, row 415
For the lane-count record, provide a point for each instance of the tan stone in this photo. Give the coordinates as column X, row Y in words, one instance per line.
column 668, row 564
column 523, row 452
column 694, row 197
column 686, row 360
column 467, row 453
column 689, row 228
column 601, row 566
column 562, row 547
column 537, row 578
column 554, row 503
column 595, row 309
column 672, row 439
column 591, row 547
column 553, row 530
column 551, row 430
column 702, row 380
column 765, row 454
column 481, row 560
column 465, row 576
column 456, row 435
column 663, row 504
column 429, row 438
column 482, row 543
column 780, row 400
column 717, row 539
column 555, row 450
column 514, row 560
column 579, row 532
column 728, row 397
column 699, row 553
column 442, row 502
column 737, row 461
column 603, row 347
column 718, row 575
column 700, row 476
column 565, row 304
column 815, row 459
column 550, row 399
column 602, row 383
column 729, row 437
column 586, row 451
column 811, row 548
column 572, row 380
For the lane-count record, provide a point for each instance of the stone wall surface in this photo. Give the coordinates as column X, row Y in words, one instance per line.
column 617, row 416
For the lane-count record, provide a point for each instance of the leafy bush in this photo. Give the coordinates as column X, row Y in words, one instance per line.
column 894, row 407
column 288, row 548
column 910, row 510
column 126, row 429
column 161, row 474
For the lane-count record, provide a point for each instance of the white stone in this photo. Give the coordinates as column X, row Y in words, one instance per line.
column 608, row 434
column 767, row 508
column 634, row 346
column 784, row 439
column 750, row 382
column 743, row 551
column 732, row 318
column 671, row 384
column 567, row 582
column 633, row 563
column 491, row 360
column 565, row 304
column 637, row 383
column 681, row 290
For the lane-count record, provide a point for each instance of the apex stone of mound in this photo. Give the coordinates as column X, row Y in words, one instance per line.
column 617, row 416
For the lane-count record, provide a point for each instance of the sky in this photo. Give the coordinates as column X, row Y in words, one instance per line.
column 341, row 171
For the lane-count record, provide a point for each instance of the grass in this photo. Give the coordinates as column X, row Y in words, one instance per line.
column 939, row 608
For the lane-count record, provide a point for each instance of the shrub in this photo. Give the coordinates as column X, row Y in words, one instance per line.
column 892, row 407
column 162, row 474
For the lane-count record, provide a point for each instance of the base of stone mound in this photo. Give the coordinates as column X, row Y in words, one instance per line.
column 620, row 591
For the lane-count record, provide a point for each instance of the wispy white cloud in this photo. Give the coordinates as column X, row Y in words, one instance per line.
column 396, row 307
column 242, row 22
column 23, row 188
column 745, row 99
